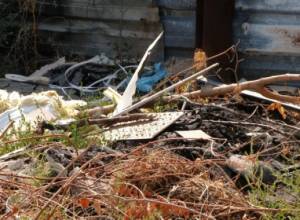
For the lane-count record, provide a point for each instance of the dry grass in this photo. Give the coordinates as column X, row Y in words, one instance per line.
column 143, row 184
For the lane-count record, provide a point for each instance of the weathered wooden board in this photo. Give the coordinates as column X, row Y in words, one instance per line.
column 136, row 3
column 179, row 21
column 90, row 27
column 133, row 29
column 178, row 4
column 102, row 12
column 275, row 6
column 180, row 31
column 94, row 43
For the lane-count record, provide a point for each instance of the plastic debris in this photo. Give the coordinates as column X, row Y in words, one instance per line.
column 38, row 76
column 127, row 98
column 112, row 95
column 145, row 83
column 44, row 106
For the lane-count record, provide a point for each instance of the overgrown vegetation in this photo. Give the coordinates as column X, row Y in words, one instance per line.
column 283, row 195
column 19, row 37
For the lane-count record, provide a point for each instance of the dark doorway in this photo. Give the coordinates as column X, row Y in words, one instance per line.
column 214, row 27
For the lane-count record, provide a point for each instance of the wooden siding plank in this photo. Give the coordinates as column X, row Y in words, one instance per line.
column 178, row 4
column 104, row 12
column 93, row 44
column 101, row 26
column 138, row 3
column 273, row 6
column 115, row 29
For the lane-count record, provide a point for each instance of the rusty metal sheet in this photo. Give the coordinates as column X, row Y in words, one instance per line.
column 269, row 35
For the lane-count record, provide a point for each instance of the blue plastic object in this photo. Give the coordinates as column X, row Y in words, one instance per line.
column 148, row 80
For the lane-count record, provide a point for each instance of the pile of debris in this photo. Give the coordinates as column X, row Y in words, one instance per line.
column 188, row 148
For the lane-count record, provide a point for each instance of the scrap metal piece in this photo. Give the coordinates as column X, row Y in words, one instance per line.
column 143, row 130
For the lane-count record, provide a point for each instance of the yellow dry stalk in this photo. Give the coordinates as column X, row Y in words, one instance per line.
column 3, row 106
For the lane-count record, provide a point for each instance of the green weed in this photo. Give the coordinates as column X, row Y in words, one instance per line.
column 283, row 195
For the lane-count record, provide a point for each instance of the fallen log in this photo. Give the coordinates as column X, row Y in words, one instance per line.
column 259, row 85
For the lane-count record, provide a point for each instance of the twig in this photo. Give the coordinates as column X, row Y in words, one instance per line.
column 252, row 114
column 115, row 120
column 128, row 199
column 64, row 187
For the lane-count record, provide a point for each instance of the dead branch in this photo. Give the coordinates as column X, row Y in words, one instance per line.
column 112, row 121
column 258, row 85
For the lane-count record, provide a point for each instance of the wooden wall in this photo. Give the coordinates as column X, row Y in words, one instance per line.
column 119, row 28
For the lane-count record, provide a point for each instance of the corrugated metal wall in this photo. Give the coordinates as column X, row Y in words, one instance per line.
column 269, row 34
column 119, row 28
column 179, row 21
